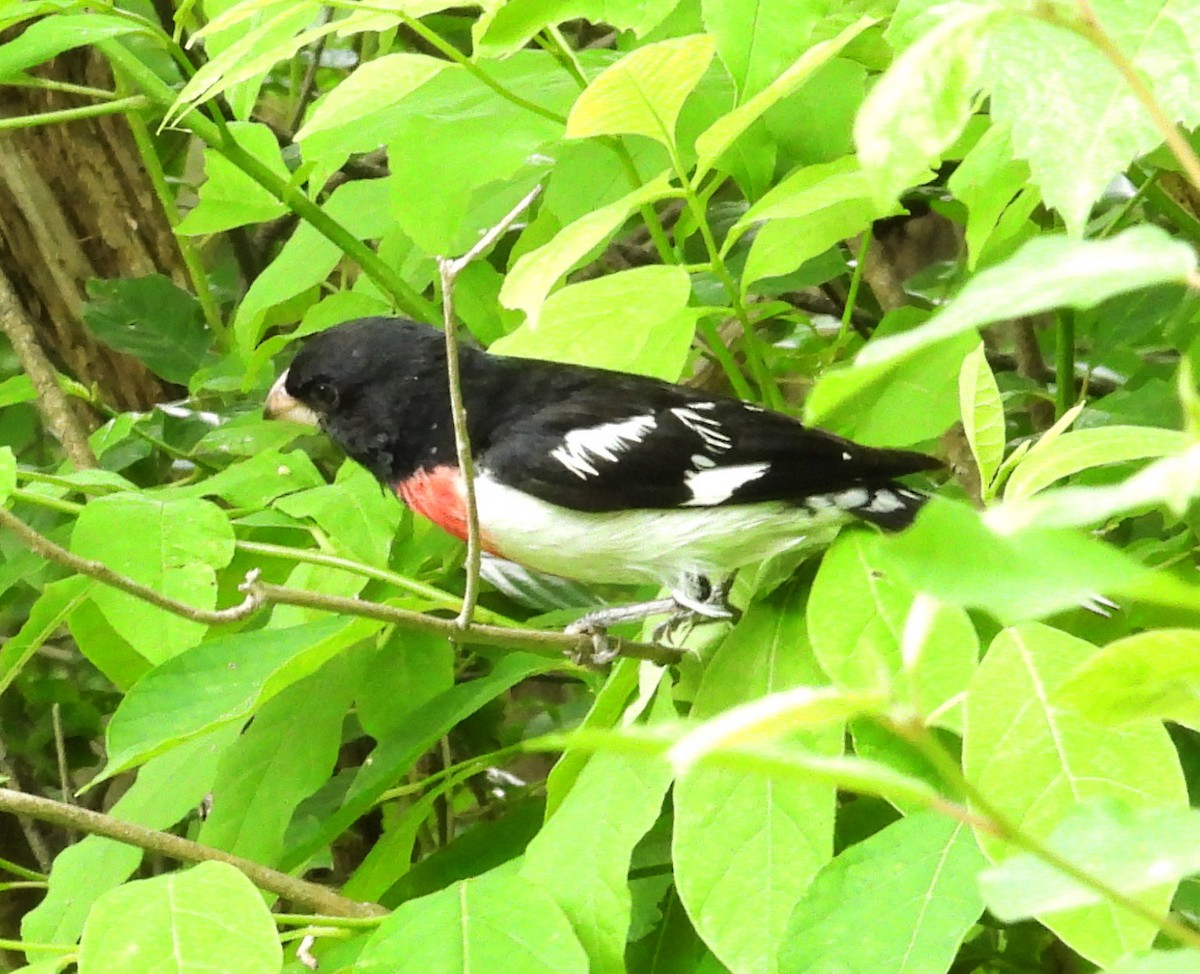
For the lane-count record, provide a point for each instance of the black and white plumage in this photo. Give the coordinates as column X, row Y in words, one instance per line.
column 588, row 473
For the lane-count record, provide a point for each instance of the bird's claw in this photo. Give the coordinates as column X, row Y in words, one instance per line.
column 602, row 650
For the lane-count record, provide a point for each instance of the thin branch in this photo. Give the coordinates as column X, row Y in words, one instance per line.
column 557, row 645
column 311, row 895
column 52, row 402
column 308, row 86
column 33, row 836
column 131, row 104
column 449, row 271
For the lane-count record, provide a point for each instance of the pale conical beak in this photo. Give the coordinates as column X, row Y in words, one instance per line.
column 280, row 405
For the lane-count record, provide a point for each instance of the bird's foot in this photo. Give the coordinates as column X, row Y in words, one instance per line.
column 684, row 609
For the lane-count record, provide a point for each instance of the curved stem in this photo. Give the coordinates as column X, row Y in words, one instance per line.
column 131, row 104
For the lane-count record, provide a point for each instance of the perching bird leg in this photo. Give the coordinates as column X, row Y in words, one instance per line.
column 696, row 600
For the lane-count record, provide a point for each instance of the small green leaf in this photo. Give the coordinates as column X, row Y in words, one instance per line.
column 177, row 924
column 374, row 86
column 492, row 923
column 643, row 93
column 1048, row 272
column 239, row 674
column 535, row 273
column 52, row 35
column 651, row 336
column 719, row 136
column 982, row 415
column 1152, row 674
column 1084, row 449
column 1133, row 850
column 922, row 102
column 57, row 601
column 505, row 28
column 8, row 473
column 1037, row 762
column 18, row 388
column 1184, row 961
column 924, row 867
column 228, row 197
column 173, row 546
column 987, row 182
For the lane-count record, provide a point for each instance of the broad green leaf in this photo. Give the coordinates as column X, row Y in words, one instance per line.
column 873, row 403
column 1133, row 850
column 8, row 473
column 57, row 601
column 922, row 102
column 859, row 620
column 807, row 191
column 508, row 27
column 239, row 673
column 152, row 319
column 1153, row 674
column 493, row 923
column 954, row 555
column 924, row 867
column 651, row 336
column 50, row 36
column 757, row 39
column 746, row 846
column 1083, row 449
column 257, row 480
column 167, row 789
column 1046, row 273
column 1182, row 961
column 178, row 923
column 643, row 93
column 612, row 804
column 987, row 182
column 783, row 245
column 286, row 754
column 719, row 136
column 228, row 197
column 535, row 273
column 1036, row 761
column 172, row 546
column 982, row 415
column 1073, row 116
column 375, row 85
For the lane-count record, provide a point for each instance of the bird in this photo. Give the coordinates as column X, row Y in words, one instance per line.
column 587, row 473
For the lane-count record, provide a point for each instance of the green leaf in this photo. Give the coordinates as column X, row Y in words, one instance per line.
column 1084, row 449
column 869, row 632
column 57, row 601
column 17, row 389
column 612, row 804
column 1152, row 674
column 179, row 923
column 50, row 36
column 924, row 867
column 652, row 335
column 982, row 415
column 643, row 93
column 493, row 923
column 1046, row 273
column 239, row 673
column 1074, row 116
column 922, row 102
column 508, row 27
column 873, row 403
column 987, row 182
column 228, row 197
column 1036, row 762
column 746, row 846
column 8, row 473
column 954, row 555
column 1133, row 850
column 783, row 245
column 172, row 546
column 151, row 319
column 257, row 480
column 757, row 39
column 535, row 273
column 719, row 136
column 167, row 789
column 375, row 85
column 1185, row 961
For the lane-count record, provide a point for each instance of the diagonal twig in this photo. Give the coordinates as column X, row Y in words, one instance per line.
column 449, row 269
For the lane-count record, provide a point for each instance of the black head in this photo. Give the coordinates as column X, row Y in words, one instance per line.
column 366, row 383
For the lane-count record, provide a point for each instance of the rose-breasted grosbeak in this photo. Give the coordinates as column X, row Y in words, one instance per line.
column 586, row 473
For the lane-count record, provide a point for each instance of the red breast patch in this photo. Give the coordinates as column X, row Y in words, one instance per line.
column 439, row 495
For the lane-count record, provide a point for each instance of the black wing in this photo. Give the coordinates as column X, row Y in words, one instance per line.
column 605, row 441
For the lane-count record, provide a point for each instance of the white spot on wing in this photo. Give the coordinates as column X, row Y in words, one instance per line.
column 700, row 461
column 846, row 455
column 717, row 485
column 581, row 448
column 707, row 428
column 852, row 498
column 885, row 502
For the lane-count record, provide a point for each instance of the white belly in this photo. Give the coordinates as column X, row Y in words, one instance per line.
column 643, row 545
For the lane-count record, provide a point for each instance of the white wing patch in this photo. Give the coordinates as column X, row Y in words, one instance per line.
column 708, row 428
column 581, row 448
column 886, row 502
column 717, row 484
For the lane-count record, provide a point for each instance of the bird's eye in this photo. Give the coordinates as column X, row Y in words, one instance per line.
column 321, row 395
